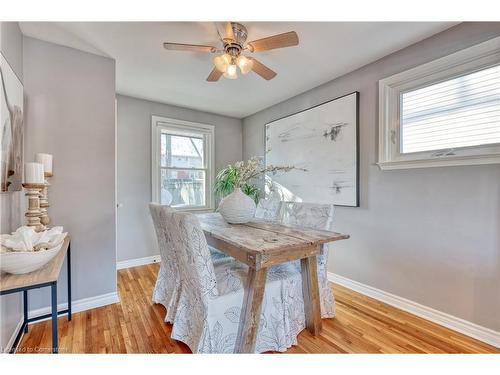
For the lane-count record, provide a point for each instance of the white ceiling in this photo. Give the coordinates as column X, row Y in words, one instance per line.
column 144, row 69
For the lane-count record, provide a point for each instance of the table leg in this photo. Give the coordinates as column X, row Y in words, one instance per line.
column 310, row 290
column 69, row 280
column 25, row 308
column 250, row 313
column 53, row 292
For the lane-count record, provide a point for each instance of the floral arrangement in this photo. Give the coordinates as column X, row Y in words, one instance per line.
column 239, row 175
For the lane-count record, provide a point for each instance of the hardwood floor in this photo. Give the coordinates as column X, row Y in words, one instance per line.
column 135, row 325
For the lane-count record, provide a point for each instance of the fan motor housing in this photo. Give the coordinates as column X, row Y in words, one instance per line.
column 233, row 47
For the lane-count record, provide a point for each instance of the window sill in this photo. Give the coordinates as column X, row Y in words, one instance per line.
column 440, row 162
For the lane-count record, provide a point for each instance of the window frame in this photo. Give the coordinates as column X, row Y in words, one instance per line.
column 159, row 123
column 466, row 61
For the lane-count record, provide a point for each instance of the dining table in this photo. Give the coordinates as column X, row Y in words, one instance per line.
column 261, row 244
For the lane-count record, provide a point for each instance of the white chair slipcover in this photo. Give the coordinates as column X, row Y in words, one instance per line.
column 167, row 281
column 268, row 209
column 315, row 216
column 218, row 255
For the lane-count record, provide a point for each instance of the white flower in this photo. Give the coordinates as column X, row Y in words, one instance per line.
column 254, row 167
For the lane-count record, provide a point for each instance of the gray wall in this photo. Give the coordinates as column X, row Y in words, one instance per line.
column 11, row 46
column 429, row 235
column 135, row 229
column 70, row 107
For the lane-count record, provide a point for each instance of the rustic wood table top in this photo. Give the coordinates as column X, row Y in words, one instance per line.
column 260, row 243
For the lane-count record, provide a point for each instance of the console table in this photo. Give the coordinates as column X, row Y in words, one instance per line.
column 46, row 276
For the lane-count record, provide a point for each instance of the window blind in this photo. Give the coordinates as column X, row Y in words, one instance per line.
column 459, row 112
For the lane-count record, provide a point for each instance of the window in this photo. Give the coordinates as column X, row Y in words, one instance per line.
column 182, row 159
column 446, row 112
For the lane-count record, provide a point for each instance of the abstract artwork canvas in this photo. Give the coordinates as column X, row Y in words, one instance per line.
column 322, row 143
column 11, row 132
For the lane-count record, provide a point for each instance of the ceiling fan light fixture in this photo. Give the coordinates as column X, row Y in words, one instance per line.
column 228, row 58
column 222, row 62
column 244, row 63
column 231, row 72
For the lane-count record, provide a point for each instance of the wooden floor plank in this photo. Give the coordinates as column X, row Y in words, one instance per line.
column 136, row 325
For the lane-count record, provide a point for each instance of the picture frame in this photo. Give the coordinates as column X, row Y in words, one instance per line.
column 323, row 140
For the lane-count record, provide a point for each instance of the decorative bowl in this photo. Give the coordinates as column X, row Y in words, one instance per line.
column 19, row 262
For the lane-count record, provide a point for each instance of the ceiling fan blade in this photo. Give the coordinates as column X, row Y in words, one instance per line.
column 262, row 70
column 276, row 41
column 214, row 75
column 189, row 47
column 228, row 31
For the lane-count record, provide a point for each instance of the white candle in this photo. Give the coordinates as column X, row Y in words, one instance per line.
column 33, row 173
column 46, row 160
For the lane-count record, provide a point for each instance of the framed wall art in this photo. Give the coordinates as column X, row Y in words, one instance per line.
column 324, row 141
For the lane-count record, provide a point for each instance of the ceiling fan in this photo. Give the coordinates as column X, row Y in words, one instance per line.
column 233, row 46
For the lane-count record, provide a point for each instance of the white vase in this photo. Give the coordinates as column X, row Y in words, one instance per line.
column 237, row 207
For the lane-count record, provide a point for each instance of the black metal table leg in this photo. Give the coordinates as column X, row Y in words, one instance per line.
column 69, row 281
column 25, row 308
column 53, row 289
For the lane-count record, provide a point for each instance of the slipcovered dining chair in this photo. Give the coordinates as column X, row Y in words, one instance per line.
column 168, row 280
column 209, row 298
column 315, row 216
column 268, row 210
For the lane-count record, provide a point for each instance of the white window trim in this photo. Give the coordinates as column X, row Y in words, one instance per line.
column 462, row 62
column 157, row 124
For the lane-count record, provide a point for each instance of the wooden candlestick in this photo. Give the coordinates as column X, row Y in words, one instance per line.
column 33, row 214
column 44, row 201
column 44, row 205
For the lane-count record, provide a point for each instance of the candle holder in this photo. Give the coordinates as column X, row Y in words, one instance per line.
column 33, row 214
column 44, row 201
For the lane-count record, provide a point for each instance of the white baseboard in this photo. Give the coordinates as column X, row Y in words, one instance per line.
column 77, row 306
column 137, row 262
column 478, row 332
column 80, row 305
